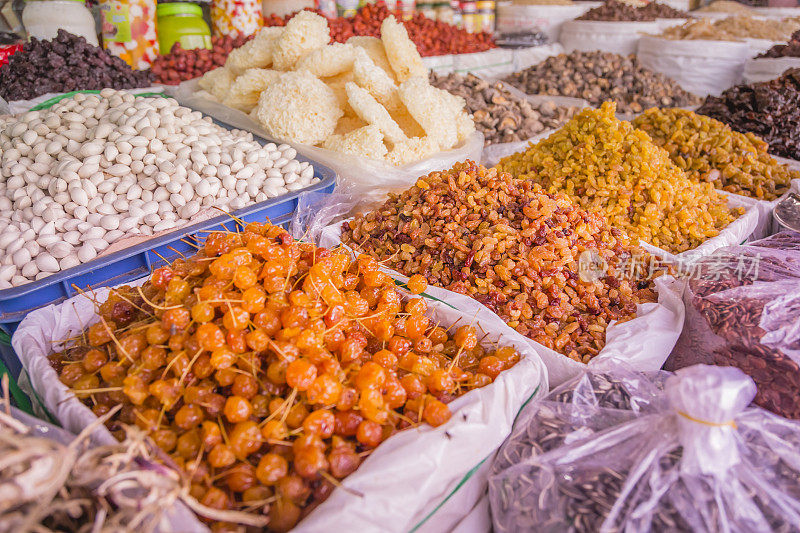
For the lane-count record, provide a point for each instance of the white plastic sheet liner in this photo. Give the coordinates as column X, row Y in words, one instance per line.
column 516, row 18
column 644, row 342
column 420, row 477
column 368, row 179
column 768, row 68
column 700, row 67
column 618, row 37
column 440, row 64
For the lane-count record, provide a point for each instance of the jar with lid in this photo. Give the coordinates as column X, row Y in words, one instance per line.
column 182, row 22
column 236, row 17
column 129, row 30
column 43, row 18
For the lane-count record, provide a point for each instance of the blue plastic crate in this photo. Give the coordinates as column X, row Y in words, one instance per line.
column 136, row 261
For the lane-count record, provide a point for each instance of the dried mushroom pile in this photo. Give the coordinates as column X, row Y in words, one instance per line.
column 268, row 369
column 612, row 10
column 601, row 76
column 770, row 110
column 501, row 116
column 608, row 166
column 709, row 151
column 368, row 97
column 512, row 247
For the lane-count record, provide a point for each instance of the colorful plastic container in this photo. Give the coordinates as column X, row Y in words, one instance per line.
column 182, row 22
column 236, row 17
column 129, row 31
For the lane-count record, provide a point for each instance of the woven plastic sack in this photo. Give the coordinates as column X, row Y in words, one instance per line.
column 743, row 310
column 440, row 64
column 491, row 63
column 516, row 18
column 423, row 478
column 768, row 68
column 621, row 451
column 644, row 342
column 617, row 37
column 368, row 179
column 700, row 67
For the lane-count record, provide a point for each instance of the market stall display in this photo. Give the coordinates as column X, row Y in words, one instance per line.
column 337, row 97
column 770, row 110
column 742, row 311
column 501, row 116
column 182, row 22
column 110, row 166
column 622, row 451
column 181, row 65
column 66, row 63
column 708, row 150
column 460, row 229
column 600, row 76
column 607, row 165
column 431, row 37
column 269, row 369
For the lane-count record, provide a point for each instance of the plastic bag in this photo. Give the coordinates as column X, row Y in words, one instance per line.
column 517, row 18
column 617, row 37
column 700, row 67
column 491, row 63
column 644, row 342
column 423, row 478
column 768, row 68
column 743, row 310
column 366, row 179
column 440, row 64
column 621, row 451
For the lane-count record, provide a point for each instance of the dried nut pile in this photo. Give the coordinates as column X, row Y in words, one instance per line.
column 709, row 151
column 608, row 166
column 734, row 29
column 601, row 76
column 268, row 369
column 770, row 110
column 63, row 64
column 431, row 37
column 733, row 300
column 181, row 65
column 726, row 6
column 663, row 11
column 368, row 97
column 790, row 49
column 94, row 169
column 612, row 10
column 501, row 116
column 515, row 249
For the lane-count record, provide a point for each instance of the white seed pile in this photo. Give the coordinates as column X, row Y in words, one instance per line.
column 93, row 169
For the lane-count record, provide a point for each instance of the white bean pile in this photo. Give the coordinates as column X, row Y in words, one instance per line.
column 93, row 169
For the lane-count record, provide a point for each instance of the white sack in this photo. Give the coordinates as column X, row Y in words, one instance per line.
column 644, row 342
column 700, row 67
column 418, row 473
column 517, row 18
column 491, row 63
column 440, row 64
column 618, row 37
column 768, row 68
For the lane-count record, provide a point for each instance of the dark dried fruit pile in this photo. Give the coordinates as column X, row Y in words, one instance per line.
column 66, row 63
column 737, row 293
column 663, row 11
column 617, row 11
column 601, row 76
column 769, row 109
column 181, row 65
column 790, row 49
column 433, row 38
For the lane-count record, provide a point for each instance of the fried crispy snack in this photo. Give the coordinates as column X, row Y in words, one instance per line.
column 409, row 126
column 364, row 142
column 299, row 108
column 305, row 33
column 432, row 108
column 256, row 53
column 412, row 150
column 376, row 82
column 347, row 124
column 401, row 52
column 331, row 60
column 217, row 82
column 246, row 89
column 375, row 50
column 372, row 112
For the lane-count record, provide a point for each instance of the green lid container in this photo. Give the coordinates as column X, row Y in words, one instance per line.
column 181, row 22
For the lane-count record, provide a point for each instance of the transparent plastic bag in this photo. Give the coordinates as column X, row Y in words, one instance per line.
column 621, row 451
column 743, row 310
